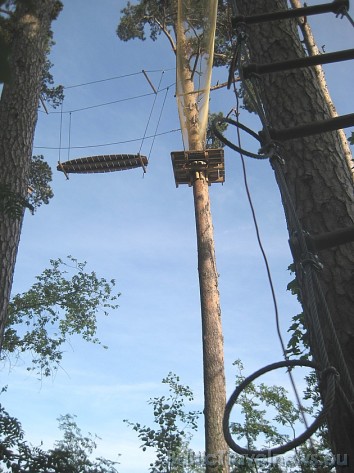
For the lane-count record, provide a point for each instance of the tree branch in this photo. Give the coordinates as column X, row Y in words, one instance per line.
column 6, row 12
column 224, row 84
column 166, row 33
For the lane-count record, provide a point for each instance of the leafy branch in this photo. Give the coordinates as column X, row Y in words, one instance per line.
column 64, row 301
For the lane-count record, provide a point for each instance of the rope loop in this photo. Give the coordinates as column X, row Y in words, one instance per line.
column 329, row 375
column 218, row 134
column 331, row 370
column 312, row 260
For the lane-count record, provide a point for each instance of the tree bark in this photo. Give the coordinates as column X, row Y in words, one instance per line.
column 216, row 449
column 213, row 346
column 319, row 178
column 313, row 50
column 30, row 34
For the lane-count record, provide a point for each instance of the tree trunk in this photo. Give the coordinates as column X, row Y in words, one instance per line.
column 320, row 182
column 213, row 346
column 30, row 34
column 216, row 449
column 313, row 50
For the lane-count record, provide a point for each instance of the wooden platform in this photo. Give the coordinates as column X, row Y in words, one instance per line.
column 187, row 163
column 103, row 163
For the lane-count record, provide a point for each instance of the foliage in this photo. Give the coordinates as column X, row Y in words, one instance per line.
column 65, row 300
column 40, row 177
column 39, row 190
column 211, row 140
column 351, row 139
column 72, row 454
column 255, row 421
column 298, row 345
column 257, row 428
column 161, row 17
column 170, row 439
column 11, row 203
column 50, row 94
column 266, row 411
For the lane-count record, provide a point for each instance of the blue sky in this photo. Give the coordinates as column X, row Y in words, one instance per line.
column 141, row 232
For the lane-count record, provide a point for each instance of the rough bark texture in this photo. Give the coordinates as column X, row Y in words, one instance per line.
column 319, row 178
column 216, row 449
column 213, row 346
column 313, row 50
column 30, row 29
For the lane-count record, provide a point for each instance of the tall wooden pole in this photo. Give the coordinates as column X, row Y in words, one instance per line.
column 213, row 345
column 213, row 352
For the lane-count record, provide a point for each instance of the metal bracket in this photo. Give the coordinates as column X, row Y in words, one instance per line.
column 323, row 241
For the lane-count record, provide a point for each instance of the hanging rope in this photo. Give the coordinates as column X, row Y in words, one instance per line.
column 312, row 295
column 60, row 135
column 158, row 123
column 60, row 129
column 104, row 104
column 113, row 143
column 151, row 112
column 69, row 143
column 265, row 259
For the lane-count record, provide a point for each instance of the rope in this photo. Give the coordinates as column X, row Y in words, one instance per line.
column 60, row 148
column 110, row 144
column 60, row 129
column 69, row 144
column 306, row 267
column 265, row 259
column 329, row 400
column 151, row 112
column 104, row 104
column 158, row 123
column 116, row 77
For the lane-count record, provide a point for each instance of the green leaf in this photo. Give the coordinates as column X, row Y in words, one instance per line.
column 65, row 300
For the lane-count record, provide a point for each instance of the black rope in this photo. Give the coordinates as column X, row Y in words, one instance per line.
column 115, row 78
column 112, row 102
column 329, row 375
column 238, row 125
column 100, row 145
column 306, row 269
column 270, row 280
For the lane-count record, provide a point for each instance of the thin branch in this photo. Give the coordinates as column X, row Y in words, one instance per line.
column 196, row 61
column 6, row 12
column 167, row 34
column 224, row 84
column 221, row 56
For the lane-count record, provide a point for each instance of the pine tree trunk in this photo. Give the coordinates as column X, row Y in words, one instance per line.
column 30, row 33
column 216, row 448
column 213, row 346
column 319, row 178
column 313, row 50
